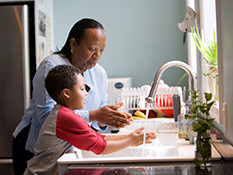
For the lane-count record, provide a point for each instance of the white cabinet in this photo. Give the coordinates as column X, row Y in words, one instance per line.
column 225, row 55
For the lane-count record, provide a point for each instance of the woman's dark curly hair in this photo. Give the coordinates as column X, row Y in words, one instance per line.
column 78, row 32
column 59, row 78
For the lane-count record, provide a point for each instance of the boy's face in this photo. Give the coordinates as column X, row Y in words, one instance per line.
column 78, row 93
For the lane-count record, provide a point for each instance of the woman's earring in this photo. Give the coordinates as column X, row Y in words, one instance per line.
column 71, row 51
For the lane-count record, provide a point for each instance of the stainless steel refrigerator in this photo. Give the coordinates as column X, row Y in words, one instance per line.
column 17, row 66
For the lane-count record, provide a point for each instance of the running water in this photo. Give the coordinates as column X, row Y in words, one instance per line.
column 145, row 129
column 147, row 170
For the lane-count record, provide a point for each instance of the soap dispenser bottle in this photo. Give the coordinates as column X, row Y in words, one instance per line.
column 182, row 123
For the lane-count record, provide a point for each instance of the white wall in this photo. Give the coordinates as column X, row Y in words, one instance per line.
column 141, row 34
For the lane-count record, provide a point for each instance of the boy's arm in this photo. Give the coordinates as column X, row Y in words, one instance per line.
column 117, row 145
column 115, row 137
column 119, row 142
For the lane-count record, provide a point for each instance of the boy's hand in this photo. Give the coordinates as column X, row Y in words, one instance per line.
column 137, row 137
column 150, row 136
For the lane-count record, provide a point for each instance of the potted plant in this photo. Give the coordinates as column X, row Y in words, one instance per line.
column 201, row 125
column 210, row 54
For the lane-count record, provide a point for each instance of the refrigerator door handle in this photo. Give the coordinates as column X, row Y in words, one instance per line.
column 26, row 72
column 6, row 161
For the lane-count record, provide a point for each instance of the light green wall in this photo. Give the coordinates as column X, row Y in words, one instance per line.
column 141, row 34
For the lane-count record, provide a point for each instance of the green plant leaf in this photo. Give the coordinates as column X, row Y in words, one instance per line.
column 194, row 94
column 209, row 105
column 189, row 116
column 210, row 121
column 200, row 113
column 194, row 109
column 196, row 126
column 202, row 109
column 181, row 79
column 208, row 96
column 210, row 51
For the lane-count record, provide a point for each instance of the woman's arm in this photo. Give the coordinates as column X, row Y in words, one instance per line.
column 43, row 102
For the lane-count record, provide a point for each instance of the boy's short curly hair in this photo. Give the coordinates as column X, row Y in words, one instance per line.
column 59, row 78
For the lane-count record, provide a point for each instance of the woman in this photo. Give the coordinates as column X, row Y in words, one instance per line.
column 83, row 49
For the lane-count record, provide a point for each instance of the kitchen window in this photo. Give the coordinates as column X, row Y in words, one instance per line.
column 206, row 12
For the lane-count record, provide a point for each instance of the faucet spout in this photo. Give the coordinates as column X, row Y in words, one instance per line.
column 158, row 75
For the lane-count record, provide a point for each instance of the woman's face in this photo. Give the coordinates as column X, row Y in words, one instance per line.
column 78, row 93
column 89, row 51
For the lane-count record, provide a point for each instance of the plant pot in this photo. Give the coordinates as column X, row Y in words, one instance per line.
column 213, row 82
column 210, row 74
column 203, row 150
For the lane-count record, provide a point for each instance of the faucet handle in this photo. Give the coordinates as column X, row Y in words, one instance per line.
column 150, row 100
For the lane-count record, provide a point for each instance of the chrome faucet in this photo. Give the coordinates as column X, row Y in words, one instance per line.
column 158, row 75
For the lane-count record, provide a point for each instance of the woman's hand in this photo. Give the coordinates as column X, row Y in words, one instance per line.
column 137, row 137
column 109, row 115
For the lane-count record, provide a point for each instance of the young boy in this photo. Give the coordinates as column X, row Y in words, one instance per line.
column 63, row 128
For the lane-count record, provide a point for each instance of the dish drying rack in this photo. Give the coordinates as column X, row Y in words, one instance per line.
column 134, row 98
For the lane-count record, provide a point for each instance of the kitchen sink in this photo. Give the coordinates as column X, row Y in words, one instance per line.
column 165, row 148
